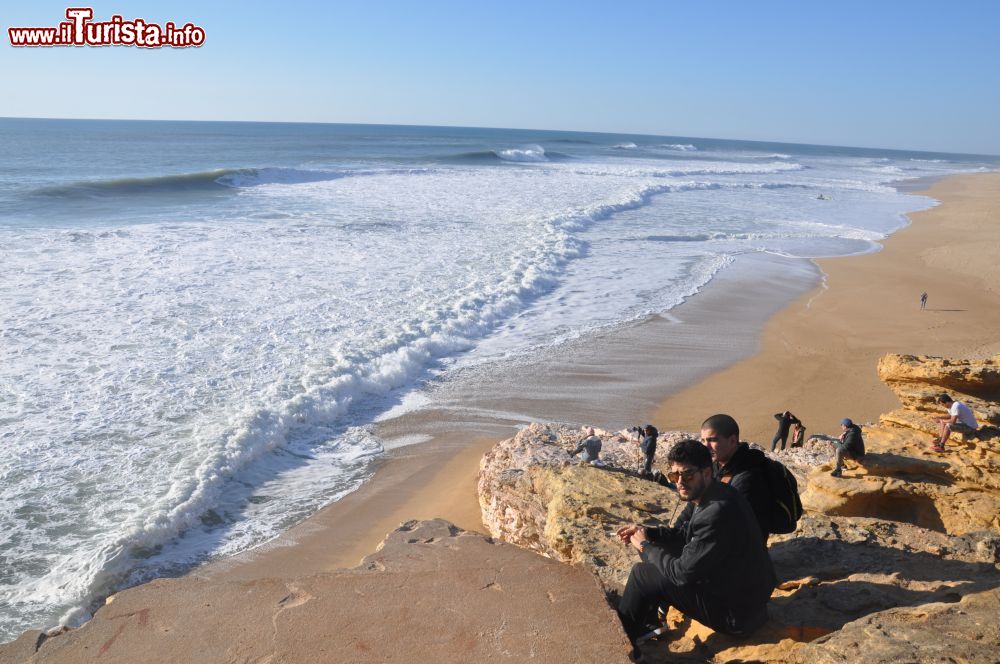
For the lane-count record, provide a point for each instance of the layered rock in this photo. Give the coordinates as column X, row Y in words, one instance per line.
column 918, row 380
column 906, row 543
column 432, row 592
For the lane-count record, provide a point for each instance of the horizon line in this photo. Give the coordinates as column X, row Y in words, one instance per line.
column 563, row 131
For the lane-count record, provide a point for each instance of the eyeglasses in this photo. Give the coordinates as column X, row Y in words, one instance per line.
column 686, row 475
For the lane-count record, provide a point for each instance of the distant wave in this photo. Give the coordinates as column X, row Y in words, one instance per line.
column 624, row 146
column 527, row 155
column 217, row 180
column 682, row 147
column 203, row 181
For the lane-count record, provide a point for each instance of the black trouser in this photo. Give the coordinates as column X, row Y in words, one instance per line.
column 648, row 588
column 647, row 468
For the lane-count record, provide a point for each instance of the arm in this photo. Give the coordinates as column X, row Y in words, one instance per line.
column 711, row 544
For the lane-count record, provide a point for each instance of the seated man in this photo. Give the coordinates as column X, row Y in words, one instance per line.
column 590, row 446
column 850, row 445
column 712, row 565
column 960, row 418
column 738, row 465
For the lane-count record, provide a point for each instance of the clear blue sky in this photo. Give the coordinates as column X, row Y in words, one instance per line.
column 910, row 75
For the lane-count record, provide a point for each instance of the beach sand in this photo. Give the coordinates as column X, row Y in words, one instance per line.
column 816, row 356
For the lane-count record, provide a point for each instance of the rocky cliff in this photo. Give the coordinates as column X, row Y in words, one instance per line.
column 895, row 561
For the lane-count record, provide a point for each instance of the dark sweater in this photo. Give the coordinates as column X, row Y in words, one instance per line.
column 716, row 547
column 854, row 443
column 745, row 472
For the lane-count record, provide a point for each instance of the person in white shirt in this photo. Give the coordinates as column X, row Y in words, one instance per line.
column 960, row 418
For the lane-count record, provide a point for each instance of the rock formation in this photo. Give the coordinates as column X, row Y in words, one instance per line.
column 432, row 592
column 900, row 555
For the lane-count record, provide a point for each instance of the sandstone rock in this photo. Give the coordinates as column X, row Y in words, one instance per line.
column 917, row 380
column 966, row 631
column 834, row 570
column 432, row 592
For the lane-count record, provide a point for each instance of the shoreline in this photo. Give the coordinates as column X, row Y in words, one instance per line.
column 818, row 356
column 604, row 379
column 751, row 378
column 438, row 478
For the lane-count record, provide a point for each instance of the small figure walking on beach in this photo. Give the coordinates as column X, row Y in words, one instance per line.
column 923, row 300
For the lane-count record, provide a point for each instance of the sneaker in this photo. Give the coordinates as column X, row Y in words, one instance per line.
column 836, row 473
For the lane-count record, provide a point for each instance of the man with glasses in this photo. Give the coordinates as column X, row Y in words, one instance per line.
column 712, row 565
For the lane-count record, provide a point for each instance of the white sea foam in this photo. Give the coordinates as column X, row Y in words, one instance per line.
column 682, row 147
column 527, row 153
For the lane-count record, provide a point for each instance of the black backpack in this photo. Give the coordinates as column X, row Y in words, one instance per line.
column 786, row 508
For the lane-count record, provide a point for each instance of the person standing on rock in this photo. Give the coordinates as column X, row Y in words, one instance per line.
column 785, row 422
column 711, row 565
column 960, row 418
column 590, row 446
column 738, row 465
column 923, row 300
column 850, row 445
column 648, row 447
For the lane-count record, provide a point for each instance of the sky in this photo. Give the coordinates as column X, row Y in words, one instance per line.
column 908, row 75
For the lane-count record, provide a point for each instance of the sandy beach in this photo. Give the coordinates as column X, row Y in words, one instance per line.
column 816, row 357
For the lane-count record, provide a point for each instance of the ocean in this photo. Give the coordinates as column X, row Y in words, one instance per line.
column 201, row 322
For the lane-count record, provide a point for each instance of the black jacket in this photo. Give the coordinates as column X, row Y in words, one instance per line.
column 854, row 443
column 745, row 472
column 716, row 547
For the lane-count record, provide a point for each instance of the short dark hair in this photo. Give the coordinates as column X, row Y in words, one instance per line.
column 944, row 397
column 691, row 452
column 724, row 425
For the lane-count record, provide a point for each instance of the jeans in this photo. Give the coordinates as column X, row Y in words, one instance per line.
column 648, row 588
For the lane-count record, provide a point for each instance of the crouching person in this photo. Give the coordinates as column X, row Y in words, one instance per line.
column 712, row 565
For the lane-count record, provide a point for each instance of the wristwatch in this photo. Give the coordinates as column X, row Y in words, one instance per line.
column 642, row 545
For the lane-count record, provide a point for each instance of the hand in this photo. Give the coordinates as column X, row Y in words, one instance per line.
column 638, row 537
column 625, row 532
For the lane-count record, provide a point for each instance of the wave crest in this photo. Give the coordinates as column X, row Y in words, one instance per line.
column 527, row 153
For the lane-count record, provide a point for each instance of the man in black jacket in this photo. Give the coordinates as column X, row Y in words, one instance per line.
column 850, row 445
column 712, row 565
column 739, row 465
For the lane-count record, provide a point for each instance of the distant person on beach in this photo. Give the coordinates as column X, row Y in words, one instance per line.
column 738, row 465
column 785, row 422
column 648, row 448
column 711, row 565
column 960, row 418
column 851, row 445
column 923, row 300
column 590, row 446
